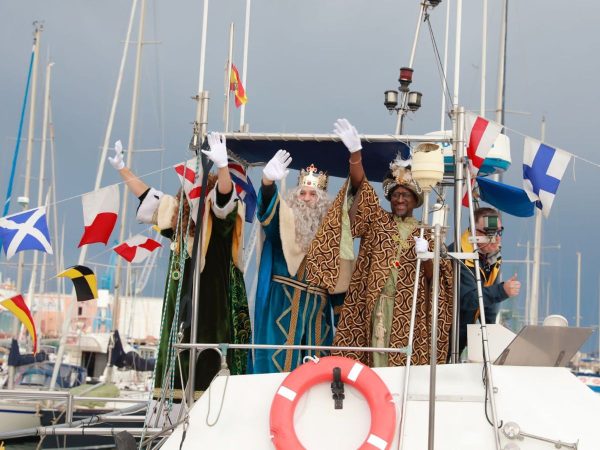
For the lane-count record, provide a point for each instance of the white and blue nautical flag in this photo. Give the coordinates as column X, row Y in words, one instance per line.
column 27, row 230
column 543, row 168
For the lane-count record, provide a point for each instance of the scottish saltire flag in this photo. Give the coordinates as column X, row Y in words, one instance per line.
column 27, row 230
column 481, row 135
column 191, row 182
column 244, row 188
column 543, row 168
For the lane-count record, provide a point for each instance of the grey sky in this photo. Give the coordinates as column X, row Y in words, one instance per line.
column 311, row 62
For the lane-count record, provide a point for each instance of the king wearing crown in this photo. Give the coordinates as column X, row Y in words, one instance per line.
column 288, row 310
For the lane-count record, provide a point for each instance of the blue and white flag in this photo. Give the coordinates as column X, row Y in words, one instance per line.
column 543, row 168
column 27, row 230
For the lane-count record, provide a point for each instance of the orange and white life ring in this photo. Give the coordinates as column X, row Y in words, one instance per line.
column 368, row 383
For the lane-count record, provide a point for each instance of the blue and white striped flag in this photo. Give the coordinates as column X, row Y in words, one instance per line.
column 543, row 168
column 27, row 230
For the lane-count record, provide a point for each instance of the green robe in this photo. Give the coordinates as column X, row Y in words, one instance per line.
column 223, row 315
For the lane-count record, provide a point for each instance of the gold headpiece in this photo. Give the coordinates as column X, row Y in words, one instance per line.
column 311, row 178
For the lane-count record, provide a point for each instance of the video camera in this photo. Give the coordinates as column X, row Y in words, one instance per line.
column 490, row 225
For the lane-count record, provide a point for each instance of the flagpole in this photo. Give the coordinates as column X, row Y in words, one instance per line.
column 483, row 58
column 537, row 256
column 245, row 64
column 228, row 79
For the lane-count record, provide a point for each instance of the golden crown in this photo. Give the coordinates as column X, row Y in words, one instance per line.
column 311, row 178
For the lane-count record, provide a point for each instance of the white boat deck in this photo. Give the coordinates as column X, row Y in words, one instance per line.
column 544, row 401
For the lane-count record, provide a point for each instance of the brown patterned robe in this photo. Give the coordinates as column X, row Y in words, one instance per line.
column 378, row 252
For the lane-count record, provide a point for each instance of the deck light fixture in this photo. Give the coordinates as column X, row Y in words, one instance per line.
column 434, row 3
column 391, row 100
column 414, row 100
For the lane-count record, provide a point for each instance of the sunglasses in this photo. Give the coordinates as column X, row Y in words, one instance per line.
column 498, row 232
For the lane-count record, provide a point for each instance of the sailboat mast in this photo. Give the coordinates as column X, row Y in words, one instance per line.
column 578, row 306
column 483, row 58
column 537, row 256
column 500, row 99
column 83, row 252
column 130, row 145
column 24, row 200
column 32, row 281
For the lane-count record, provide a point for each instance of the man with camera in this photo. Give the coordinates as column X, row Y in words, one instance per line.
column 488, row 230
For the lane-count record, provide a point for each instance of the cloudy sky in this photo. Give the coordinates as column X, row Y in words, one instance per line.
column 311, row 62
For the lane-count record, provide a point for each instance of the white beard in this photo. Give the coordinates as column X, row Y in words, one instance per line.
column 307, row 217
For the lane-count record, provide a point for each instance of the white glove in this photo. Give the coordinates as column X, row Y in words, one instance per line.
column 218, row 150
column 117, row 160
column 276, row 168
column 421, row 246
column 348, row 134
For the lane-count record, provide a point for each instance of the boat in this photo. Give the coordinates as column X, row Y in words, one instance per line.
column 535, row 404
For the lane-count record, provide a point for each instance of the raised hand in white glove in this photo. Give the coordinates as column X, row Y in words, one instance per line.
column 117, row 160
column 276, row 168
column 421, row 246
column 218, row 150
column 348, row 134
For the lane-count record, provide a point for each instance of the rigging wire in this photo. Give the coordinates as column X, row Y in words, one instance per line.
column 438, row 61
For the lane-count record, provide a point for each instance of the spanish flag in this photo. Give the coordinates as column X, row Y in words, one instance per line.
column 235, row 85
column 17, row 306
column 84, row 280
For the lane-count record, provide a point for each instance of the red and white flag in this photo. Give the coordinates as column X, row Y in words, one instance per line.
column 481, row 134
column 191, row 182
column 100, row 210
column 137, row 248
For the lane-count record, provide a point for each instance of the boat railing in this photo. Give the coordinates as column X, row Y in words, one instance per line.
column 63, row 397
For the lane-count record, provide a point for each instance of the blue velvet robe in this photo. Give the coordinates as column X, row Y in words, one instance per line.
column 285, row 314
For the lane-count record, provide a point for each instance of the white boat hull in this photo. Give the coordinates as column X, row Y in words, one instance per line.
column 544, row 401
column 18, row 415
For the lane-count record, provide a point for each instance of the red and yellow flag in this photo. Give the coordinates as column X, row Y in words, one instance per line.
column 17, row 306
column 235, row 85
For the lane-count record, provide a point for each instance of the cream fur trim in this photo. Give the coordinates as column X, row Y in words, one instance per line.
column 147, row 209
column 166, row 208
column 292, row 252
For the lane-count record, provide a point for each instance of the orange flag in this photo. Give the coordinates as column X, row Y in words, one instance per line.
column 235, row 85
column 17, row 306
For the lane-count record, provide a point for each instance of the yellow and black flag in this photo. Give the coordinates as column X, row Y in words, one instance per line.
column 84, row 280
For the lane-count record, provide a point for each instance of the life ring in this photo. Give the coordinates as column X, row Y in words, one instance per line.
column 381, row 404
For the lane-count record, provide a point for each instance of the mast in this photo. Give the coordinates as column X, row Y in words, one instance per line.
column 483, row 58
column 578, row 306
column 83, row 252
column 537, row 256
column 500, row 99
column 228, row 79
column 130, row 146
column 32, row 280
column 446, row 34
column 243, row 126
column 24, row 200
